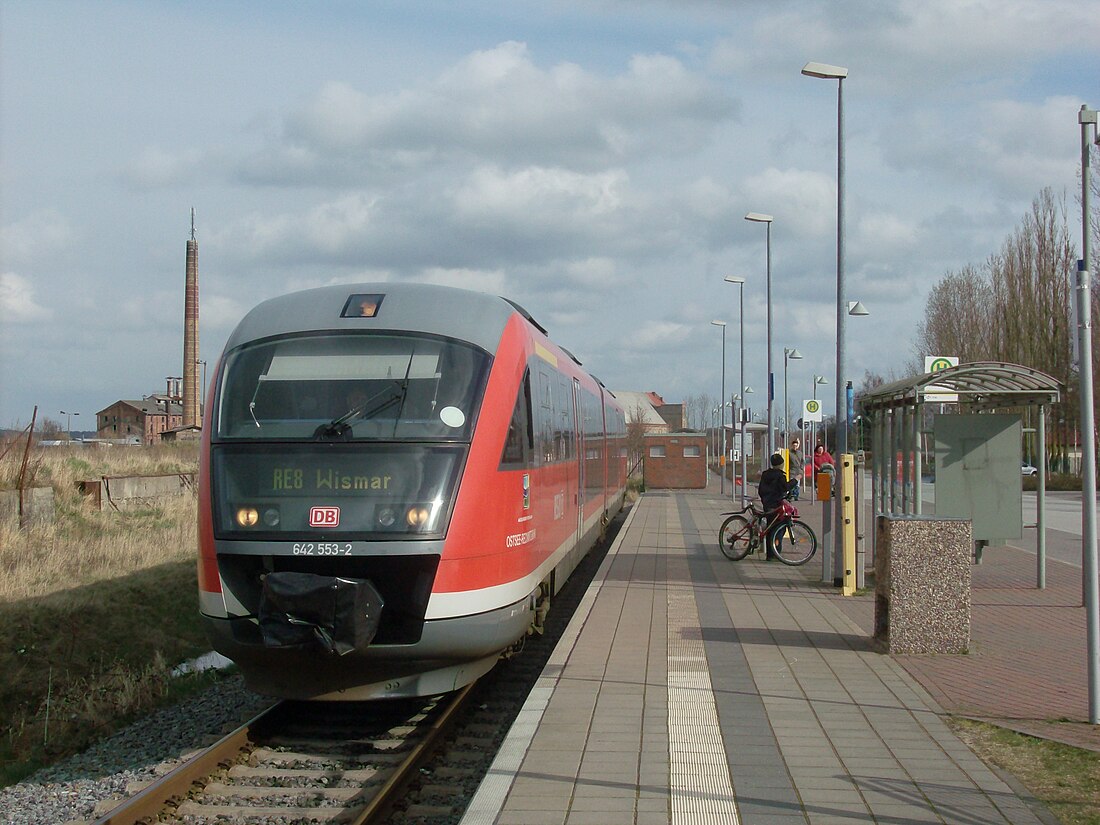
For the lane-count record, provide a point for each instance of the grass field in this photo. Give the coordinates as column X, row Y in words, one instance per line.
column 95, row 609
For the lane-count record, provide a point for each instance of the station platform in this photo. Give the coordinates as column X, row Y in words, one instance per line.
column 692, row 689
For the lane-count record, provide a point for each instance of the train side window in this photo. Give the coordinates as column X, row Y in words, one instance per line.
column 520, row 443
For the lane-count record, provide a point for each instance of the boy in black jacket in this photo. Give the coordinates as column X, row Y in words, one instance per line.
column 773, row 487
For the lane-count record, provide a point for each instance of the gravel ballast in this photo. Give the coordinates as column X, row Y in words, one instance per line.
column 70, row 790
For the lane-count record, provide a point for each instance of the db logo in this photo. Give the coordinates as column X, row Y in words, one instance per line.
column 324, row 516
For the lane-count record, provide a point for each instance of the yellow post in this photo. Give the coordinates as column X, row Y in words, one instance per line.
column 848, row 510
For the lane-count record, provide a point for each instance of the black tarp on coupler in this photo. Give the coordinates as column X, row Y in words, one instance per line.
column 303, row 609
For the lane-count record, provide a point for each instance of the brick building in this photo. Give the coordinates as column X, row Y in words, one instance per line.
column 146, row 420
column 675, row 461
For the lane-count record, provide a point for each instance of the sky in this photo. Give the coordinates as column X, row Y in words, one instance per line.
column 592, row 161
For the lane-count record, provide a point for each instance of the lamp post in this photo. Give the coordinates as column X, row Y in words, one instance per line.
column 69, row 422
column 788, row 355
column 818, row 379
column 758, row 217
column 745, row 392
column 722, row 412
column 838, row 73
column 733, row 279
column 1090, row 586
column 202, row 391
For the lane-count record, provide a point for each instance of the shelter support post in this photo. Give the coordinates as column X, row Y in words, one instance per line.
column 903, row 446
column 917, row 493
column 876, row 479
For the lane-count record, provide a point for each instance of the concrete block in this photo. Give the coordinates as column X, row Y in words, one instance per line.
column 922, row 584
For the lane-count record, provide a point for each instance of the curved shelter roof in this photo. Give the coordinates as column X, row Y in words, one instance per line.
column 981, row 384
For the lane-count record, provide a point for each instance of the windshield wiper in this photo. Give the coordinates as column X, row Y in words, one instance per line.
column 340, row 428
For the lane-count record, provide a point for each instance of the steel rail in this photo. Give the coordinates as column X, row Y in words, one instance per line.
column 383, row 800
column 151, row 800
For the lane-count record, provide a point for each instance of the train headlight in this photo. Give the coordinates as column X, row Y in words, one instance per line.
column 247, row 516
column 271, row 517
column 417, row 516
column 387, row 517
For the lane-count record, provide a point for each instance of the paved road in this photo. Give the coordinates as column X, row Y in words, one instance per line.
column 1063, row 521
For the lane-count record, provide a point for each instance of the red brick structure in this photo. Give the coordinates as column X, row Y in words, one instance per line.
column 145, row 420
column 675, row 461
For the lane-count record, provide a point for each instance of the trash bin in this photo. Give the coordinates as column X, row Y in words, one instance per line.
column 922, row 584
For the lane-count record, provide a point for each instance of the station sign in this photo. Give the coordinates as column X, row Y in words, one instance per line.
column 811, row 410
column 936, row 363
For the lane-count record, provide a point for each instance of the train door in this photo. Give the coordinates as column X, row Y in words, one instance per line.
column 579, row 440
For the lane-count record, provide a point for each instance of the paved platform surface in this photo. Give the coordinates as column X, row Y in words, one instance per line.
column 689, row 688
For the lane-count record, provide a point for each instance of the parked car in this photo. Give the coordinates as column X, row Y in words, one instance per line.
column 1028, row 470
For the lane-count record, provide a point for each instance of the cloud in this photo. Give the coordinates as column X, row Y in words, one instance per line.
column 921, row 48
column 657, row 335
column 17, row 301
column 1018, row 147
column 807, row 199
column 494, row 282
column 39, row 235
column 498, row 105
column 155, row 168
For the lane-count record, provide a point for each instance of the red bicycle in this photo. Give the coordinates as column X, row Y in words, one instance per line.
column 791, row 541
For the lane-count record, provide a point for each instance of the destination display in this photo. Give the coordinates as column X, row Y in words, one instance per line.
column 354, row 488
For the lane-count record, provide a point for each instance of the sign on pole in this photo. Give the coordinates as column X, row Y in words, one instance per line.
column 936, row 363
column 811, row 410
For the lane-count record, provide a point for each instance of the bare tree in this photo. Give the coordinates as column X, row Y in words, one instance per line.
column 1018, row 308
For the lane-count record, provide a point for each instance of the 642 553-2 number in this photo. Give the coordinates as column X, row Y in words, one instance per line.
column 322, row 548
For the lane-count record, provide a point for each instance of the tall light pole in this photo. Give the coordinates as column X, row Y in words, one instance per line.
column 758, row 217
column 733, row 279
column 818, row 379
column 745, row 392
column 722, row 411
column 788, row 355
column 838, row 73
column 1091, row 592
column 202, row 391
column 69, row 422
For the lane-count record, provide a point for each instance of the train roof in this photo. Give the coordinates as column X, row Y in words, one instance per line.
column 440, row 310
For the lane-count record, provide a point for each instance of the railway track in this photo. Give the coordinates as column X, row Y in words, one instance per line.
column 300, row 762
column 413, row 762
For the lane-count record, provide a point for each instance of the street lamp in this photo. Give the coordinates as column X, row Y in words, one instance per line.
column 69, row 422
column 722, row 412
column 818, row 379
column 758, row 217
column 733, row 279
column 202, row 391
column 745, row 392
column 856, row 308
column 838, row 73
column 1089, row 121
column 788, row 355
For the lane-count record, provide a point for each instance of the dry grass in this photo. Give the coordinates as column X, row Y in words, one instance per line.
column 85, row 545
column 94, row 608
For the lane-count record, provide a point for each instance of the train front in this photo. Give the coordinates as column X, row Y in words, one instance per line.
column 332, row 460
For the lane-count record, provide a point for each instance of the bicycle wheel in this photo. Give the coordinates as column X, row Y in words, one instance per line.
column 735, row 538
column 793, row 542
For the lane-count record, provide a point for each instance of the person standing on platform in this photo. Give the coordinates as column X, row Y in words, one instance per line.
column 796, row 464
column 821, row 458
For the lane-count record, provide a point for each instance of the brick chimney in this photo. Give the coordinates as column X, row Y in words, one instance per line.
column 192, row 416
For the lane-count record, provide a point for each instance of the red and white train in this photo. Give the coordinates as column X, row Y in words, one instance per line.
column 395, row 480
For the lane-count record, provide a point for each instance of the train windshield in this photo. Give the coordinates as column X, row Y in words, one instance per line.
column 351, row 387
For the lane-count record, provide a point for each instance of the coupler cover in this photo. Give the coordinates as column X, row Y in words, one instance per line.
column 338, row 615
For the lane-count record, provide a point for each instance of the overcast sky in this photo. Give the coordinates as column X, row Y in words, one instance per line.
column 593, row 161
